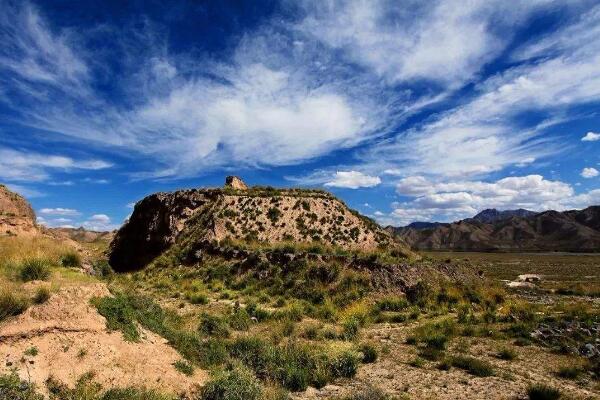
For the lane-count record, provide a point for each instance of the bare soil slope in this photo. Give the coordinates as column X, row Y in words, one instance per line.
column 72, row 339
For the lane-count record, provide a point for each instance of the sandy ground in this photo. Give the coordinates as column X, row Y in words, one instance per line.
column 72, row 339
column 392, row 373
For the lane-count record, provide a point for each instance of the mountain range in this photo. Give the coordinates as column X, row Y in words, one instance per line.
column 510, row 230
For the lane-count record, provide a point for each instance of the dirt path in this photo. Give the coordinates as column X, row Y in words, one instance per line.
column 393, row 374
column 72, row 339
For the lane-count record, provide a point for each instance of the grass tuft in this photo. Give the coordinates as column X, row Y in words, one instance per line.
column 543, row 392
column 33, row 269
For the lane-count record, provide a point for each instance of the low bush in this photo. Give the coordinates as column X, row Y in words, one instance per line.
column 543, row 392
column 13, row 388
column 507, row 353
column 369, row 353
column 70, row 260
column 570, row 372
column 184, row 367
column 197, row 298
column 239, row 319
column 293, row 365
column 33, row 269
column 238, row 383
column 473, row 366
column 42, row 295
column 392, row 303
column 11, row 304
column 212, row 325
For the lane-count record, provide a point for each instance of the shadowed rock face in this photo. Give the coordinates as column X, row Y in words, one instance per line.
column 576, row 230
column 190, row 218
column 16, row 215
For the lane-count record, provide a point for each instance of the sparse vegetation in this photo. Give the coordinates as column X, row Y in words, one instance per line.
column 11, row 304
column 33, row 269
column 70, row 260
column 543, row 392
column 42, row 295
column 473, row 366
column 184, row 367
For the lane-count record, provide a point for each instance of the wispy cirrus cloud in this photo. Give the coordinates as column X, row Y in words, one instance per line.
column 28, row 166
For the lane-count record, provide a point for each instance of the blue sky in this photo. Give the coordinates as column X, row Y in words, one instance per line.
column 407, row 110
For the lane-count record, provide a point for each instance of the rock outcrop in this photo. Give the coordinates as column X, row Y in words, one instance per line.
column 574, row 231
column 16, row 215
column 192, row 218
column 236, row 183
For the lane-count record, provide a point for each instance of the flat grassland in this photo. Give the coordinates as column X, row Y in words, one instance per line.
column 575, row 272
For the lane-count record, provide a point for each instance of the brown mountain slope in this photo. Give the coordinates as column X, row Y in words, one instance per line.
column 16, row 215
column 190, row 218
column 575, row 230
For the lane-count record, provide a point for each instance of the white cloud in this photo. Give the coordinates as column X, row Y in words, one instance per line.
column 99, row 222
column 59, row 211
column 31, row 166
column 406, row 40
column 353, row 180
column 591, row 137
column 589, row 172
column 448, row 201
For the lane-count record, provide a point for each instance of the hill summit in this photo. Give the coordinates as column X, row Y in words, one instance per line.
column 197, row 217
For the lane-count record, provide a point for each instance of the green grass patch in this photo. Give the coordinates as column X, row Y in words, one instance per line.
column 473, row 366
column 11, row 304
column 33, row 269
column 184, row 367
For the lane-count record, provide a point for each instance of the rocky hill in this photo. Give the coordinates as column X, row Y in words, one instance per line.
column 16, row 215
column 574, row 231
column 493, row 215
column 197, row 217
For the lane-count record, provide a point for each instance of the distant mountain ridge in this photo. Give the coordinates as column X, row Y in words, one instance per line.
column 493, row 215
column 510, row 230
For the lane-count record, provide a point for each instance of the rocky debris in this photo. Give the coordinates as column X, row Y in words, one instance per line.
column 235, row 183
column 577, row 337
column 192, row 218
column 16, row 215
column 525, row 281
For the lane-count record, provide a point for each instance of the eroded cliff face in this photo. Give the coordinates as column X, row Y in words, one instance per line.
column 16, row 215
column 255, row 214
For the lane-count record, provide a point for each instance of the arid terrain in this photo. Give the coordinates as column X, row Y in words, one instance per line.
column 259, row 293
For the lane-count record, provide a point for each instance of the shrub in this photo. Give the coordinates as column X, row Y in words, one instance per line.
column 417, row 362
column 570, row 372
column 32, row 351
column 13, row 388
column 42, row 294
column 369, row 353
column 34, row 269
column 418, row 294
column 507, row 353
column 119, row 314
column 236, row 384
column 11, row 304
column 70, row 260
column 212, row 325
column 184, row 367
column 239, row 320
column 197, row 298
column 344, row 364
column 543, row 392
column 392, row 304
column 351, row 328
column 473, row 366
